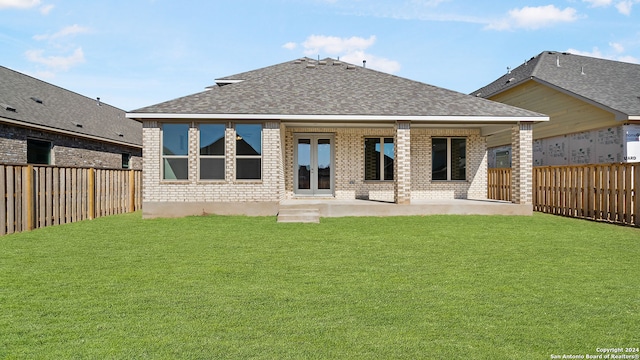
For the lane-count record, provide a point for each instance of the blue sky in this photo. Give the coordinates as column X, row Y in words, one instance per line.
column 135, row 53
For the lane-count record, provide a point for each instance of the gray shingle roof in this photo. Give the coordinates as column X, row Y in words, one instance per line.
column 35, row 102
column 611, row 84
column 329, row 87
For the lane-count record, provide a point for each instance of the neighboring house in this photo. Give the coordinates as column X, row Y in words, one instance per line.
column 327, row 130
column 41, row 123
column 593, row 104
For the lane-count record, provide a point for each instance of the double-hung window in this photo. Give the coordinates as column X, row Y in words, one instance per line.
column 175, row 151
column 449, row 159
column 379, row 154
column 248, row 151
column 212, row 144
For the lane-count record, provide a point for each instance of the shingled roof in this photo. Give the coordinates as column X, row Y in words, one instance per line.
column 29, row 102
column 611, row 85
column 329, row 88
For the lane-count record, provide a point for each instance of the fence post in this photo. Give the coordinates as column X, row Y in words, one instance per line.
column 92, row 193
column 636, row 193
column 132, row 190
column 28, row 196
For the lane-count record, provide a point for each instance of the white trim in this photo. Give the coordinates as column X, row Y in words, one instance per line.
column 635, row 117
column 446, row 118
column 66, row 132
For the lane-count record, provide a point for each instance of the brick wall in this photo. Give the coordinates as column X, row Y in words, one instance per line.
column 349, row 167
column 66, row 150
column 423, row 188
column 269, row 188
column 278, row 167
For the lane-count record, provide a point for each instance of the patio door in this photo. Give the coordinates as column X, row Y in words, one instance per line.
column 313, row 164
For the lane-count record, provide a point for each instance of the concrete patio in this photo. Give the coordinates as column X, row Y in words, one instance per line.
column 328, row 207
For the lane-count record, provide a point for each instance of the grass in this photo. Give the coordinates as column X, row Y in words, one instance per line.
column 473, row 287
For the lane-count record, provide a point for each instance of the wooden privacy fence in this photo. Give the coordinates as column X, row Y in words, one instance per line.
column 499, row 184
column 39, row 196
column 607, row 192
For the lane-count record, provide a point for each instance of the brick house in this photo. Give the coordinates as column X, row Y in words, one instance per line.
column 593, row 106
column 324, row 130
column 41, row 123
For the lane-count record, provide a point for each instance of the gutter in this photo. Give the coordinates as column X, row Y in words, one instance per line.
column 374, row 118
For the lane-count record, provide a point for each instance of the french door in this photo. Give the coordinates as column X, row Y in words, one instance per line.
column 313, row 164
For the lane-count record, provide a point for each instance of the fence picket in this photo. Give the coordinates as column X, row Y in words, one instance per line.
column 607, row 192
column 39, row 196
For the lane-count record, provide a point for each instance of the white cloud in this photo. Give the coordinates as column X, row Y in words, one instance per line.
column 18, row 4
column 58, row 63
column 290, row 45
column 373, row 62
column 46, row 9
column 333, row 45
column 67, row 31
column 595, row 52
column 598, row 3
column 624, row 7
column 534, row 18
column 629, row 59
column 351, row 50
column 617, row 48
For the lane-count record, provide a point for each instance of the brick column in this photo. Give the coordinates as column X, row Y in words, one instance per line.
column 402, row 163
column 522, row 163
column 151, row 160
column 273, row 162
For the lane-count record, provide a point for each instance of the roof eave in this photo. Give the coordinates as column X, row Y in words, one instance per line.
column 355, row 118
column 66, row 132
column 619, row 115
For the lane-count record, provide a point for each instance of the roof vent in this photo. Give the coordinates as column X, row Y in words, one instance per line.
column 558, row 61
column 77, row 124
column 364, row 63
column 322, row 62
column 36, row 100
column 508, row 70
column 8, row 107
column 98, row 101
column 510, row 80
column 351, row 67
column 337, row 62
column 311, row 66
column 582, row 70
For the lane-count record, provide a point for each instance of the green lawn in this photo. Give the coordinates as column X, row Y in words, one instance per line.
column 444, row 287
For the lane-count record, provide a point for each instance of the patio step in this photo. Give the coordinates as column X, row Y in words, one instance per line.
column 300, row 215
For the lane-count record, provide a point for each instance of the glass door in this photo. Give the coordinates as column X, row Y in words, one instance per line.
column 314, row 168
